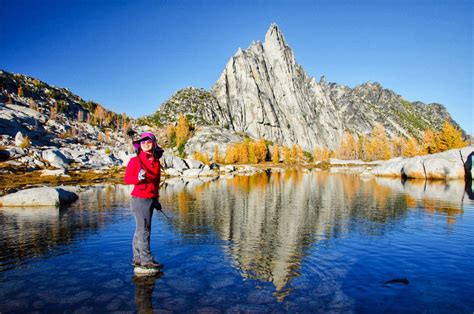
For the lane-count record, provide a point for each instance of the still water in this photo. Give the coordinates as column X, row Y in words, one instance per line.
column 280, row 242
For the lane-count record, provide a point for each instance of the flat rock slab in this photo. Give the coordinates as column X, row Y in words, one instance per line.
column 44, row 196
column 144, row 271
column 55, row 158
column 448, row 165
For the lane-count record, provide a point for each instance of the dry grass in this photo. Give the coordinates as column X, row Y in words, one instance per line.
column 20, row 179
column 266, row 165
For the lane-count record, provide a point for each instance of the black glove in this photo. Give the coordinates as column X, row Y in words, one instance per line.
column 156, row 204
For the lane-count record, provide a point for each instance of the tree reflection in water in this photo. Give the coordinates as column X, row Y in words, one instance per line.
column 270, row 220
column 301, row 236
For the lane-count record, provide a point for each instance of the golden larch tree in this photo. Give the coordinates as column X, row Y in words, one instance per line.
column 348, row 148
column 430, row 142
column 261, row 150
column 379, row 146
column 363, row 146
column 321, row 154
column 216, row 157
column 99, row 114
column 251, row 148
column 450, row 137
column 231, row 154
column 276, row 154
column 296, row 154
column 411, row 147
column 243, row 153
column 398, row 145
column 171, row 135
column 182, row 130
column 287, row 154
column 202, row 157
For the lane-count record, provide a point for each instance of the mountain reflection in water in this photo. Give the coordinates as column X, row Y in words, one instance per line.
column 270, row 220
column 274, row 242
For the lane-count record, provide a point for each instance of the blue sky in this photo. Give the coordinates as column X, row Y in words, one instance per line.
column 131, row 56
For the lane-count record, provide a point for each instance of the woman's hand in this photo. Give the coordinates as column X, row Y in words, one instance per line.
column 156, row 204
column 141, row 175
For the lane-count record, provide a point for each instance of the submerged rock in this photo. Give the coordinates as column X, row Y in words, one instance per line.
column 261, row 297
column 187, row 284
column 222, row 282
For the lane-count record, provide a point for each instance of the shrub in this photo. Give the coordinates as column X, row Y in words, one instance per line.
column 202, row 157
column 26, row 142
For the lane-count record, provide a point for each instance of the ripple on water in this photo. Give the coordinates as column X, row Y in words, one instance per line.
column 184, row 284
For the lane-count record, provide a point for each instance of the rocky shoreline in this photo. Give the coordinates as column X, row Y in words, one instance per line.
column 450, row 165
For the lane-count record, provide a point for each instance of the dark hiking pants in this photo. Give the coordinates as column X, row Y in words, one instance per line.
column 143, row 211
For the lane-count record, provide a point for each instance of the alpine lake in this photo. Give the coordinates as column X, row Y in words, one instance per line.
column 277, row 242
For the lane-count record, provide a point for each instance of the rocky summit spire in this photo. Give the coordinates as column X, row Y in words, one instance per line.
column 275, row 36
column 265, row 93
column 275, row 43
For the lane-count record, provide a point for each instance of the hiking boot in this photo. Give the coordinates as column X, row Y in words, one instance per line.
column 136, row 262
column 152, row 264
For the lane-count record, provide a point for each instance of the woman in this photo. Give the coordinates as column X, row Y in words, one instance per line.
column 144, row 172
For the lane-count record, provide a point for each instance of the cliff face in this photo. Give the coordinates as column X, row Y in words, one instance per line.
column 369, row 103
column 265, row 93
